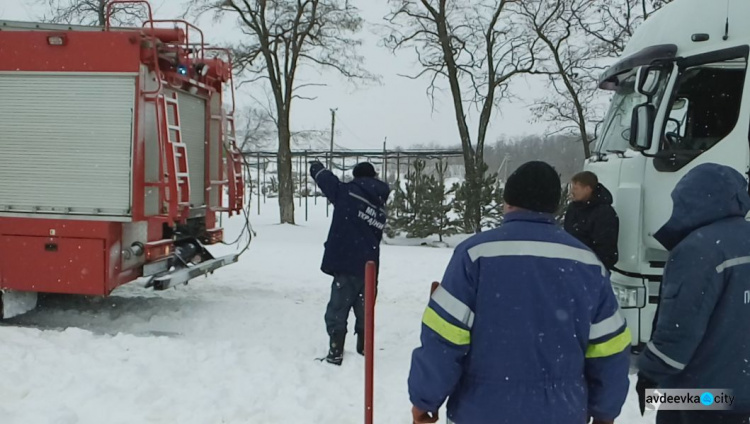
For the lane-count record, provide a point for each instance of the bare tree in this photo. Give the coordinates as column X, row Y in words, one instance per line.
column 578, row 35
column 655, row 5
column 258, row 130
column 474, row 46
column 90, row 12
column 280, row 37
column 570, row 64
column 609, row 25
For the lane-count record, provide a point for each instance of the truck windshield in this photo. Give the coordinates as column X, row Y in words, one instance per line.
column 616, row 134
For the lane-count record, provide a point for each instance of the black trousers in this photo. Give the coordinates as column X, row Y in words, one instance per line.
column 347, row 293
column 700, row 417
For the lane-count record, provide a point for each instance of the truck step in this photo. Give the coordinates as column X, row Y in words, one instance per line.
column 182, row 276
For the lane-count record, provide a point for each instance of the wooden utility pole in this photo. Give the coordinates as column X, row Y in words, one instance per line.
column 330, row 155
column 333, row 133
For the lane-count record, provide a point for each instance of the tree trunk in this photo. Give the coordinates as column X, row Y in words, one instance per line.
column 584, row 133
column 574, row 95
column 471, row 222
column 580, row 114
column 475, row 201
column 102, row 12
column 284, row 171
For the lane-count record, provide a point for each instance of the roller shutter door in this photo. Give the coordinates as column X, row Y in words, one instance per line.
column 66, row 143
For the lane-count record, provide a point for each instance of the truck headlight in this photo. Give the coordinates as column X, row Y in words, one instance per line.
column 627, row 297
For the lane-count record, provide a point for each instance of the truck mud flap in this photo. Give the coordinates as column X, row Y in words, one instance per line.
column 183, row 275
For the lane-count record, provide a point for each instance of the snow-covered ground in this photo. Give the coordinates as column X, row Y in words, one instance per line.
column 236, row 347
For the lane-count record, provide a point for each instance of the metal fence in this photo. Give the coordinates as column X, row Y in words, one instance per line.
column 261, row 168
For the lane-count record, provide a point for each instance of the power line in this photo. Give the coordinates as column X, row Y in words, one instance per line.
column 352, row 132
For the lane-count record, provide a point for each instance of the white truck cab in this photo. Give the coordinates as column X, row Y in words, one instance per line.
column 680, row 99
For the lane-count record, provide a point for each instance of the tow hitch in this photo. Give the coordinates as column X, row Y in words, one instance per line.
column 189, row 260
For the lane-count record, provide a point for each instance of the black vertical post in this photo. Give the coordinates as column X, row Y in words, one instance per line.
column 398, row 166
column 329, row 159
column 265, row 180
column 299, row 173
column 385, row 162
column 315, row 187
column 259, row 188
column 307, row 192
column 408, row 169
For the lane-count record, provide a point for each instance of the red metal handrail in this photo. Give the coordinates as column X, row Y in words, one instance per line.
column 188, row 26
column 231, row 73
column 107, row 27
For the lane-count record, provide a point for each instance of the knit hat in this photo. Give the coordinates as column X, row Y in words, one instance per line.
column 364, row 169
column 534, row 186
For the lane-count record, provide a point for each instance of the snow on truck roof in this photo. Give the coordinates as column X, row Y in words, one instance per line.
column 670, row 31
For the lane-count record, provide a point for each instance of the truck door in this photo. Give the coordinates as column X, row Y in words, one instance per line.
column 707, row 121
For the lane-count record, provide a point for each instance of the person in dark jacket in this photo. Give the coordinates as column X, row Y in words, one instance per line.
column 524, row 327
column 353, row 240
column 591, row 218
column 700, row 337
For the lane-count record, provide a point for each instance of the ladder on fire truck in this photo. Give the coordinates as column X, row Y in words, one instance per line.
column 174, row 180
column 234, row 165
column 177, row 161
column 231, row 168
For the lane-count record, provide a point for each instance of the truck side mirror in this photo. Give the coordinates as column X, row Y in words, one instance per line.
column 642, row 126
column 647, row 80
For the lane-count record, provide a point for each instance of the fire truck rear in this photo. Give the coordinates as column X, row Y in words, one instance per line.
column 116, row 157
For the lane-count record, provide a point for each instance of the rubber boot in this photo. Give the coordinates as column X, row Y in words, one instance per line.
column 361, row 344
column 336, row 349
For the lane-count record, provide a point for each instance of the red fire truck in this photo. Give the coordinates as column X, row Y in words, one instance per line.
column 116, row 156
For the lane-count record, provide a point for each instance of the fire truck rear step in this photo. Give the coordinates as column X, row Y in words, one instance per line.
column 189, row 260
column 183, row 275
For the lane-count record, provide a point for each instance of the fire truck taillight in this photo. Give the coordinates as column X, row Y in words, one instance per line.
column 215, row 237
column 157, row 252
column 56, row 40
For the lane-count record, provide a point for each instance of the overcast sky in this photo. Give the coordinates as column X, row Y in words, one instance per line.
column 397, row 109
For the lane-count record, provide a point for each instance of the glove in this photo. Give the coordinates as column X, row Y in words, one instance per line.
column 315, row 166
column 640, row 388
column 434, row 287
column 421, row 417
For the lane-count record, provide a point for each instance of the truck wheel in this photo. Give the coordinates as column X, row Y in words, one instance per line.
column 14, row 303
